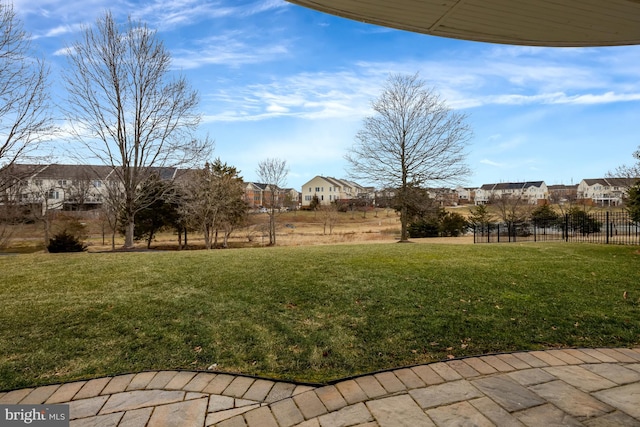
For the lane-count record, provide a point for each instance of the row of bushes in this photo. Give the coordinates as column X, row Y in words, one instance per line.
column 444, row 224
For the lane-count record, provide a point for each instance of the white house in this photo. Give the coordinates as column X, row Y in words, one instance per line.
column 532, row 191
column 330, row 190
column 605, row 191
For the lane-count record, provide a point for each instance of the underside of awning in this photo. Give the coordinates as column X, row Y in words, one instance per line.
column 518, row 22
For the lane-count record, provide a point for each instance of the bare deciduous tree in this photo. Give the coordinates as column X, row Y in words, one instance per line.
column 412, row 140
column 630, row 172
column 25, row 119
column 214, row 200
column 513, row 209
column 128, row 111
column 273, row 172
column 329, row 217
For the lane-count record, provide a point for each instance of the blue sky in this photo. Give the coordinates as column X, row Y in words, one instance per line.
column 279, row 80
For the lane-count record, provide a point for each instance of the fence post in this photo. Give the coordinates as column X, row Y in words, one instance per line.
column 608, row 226
column 566, row 227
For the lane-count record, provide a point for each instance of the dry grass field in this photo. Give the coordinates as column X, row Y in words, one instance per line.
column 299, row 228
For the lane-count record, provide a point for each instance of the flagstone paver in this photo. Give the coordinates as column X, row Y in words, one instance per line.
column 571, row 400
column 400, row 411
column 597, row 354
column 390, row 382
column 573, row 387
column 347, row 416
column 86, row 407
column 331, row 398
column 508, row 393
column 444, row 394
column 370, row 385
column 239, row 386
column 513, row 361
column 409, row 378
column 531, row 376
column 351, row 392
column 66, row 392
column 462, row 413
column 141, row 380
column 161, row 379
column 280, row 391
column 616, row 373
column 530, row 360
column 180, row 380
column 259, row 390
column 614, row 419
column 581, row 378
column 199, row 382
column 136, row 418
column 494, row 412
column 464, row 369
column 189, row 413
column 140, row 399
column 15, row 396
column 310, row 405
column 497, row 363
column 117, row 384
column 429, row 376
column 39, row 395
column 287, row 413
column 481, row 366
column 546, row 415
column 626, row 398
column 92, row 388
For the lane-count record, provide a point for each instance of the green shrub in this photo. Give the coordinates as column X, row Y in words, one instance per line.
column 65, row 242
column 426, row 227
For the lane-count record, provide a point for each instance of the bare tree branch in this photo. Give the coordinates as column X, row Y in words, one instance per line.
column 25, row 118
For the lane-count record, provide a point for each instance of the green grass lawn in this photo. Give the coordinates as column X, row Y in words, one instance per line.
column 311, row 314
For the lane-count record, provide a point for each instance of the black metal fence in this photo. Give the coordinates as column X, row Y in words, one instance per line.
column 597, row 227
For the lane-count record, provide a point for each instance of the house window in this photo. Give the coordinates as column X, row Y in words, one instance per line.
column 53, row 194
column 97, row 183
column 62, row 182
column 309, row 189
column 317, row 189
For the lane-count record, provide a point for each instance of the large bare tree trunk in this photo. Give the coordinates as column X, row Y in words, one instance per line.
column 128, row 237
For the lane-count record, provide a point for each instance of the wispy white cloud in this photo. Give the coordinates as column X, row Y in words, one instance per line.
column 341, row 94
column 492, row 163
column 231, row 49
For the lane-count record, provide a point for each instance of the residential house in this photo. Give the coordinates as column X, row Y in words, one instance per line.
column 67, row 187
column 534, row 192
column 466, row 195
column 258, row 195
column 443, row 196
column 329, row 190
column 59, row 186
column 562, row 194
column 605, row 191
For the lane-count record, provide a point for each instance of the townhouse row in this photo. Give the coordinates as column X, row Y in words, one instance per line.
column 86, row 187
column 599, row 191
column 83, row 187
